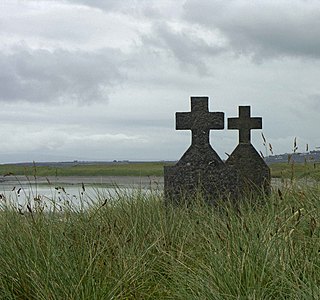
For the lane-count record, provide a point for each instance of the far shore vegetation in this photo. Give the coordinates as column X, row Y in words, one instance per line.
column 278, row 170
column 111, row 169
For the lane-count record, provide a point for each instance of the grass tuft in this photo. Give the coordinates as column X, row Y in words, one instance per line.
column 129, row 246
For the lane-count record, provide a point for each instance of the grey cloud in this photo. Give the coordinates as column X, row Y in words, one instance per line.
column 185, row 46
column 63, row 76
column 311, row 103
column 262, row 29
column 109, row 5
column 56, row 23
column 150, row 9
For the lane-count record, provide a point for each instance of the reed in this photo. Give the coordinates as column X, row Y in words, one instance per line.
column 129, row 246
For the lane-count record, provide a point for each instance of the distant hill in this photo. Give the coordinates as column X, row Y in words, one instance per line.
column 80, row 163
column 312, row 156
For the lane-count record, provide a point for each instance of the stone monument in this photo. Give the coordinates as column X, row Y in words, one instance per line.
column 200, row 169
column 254, row 172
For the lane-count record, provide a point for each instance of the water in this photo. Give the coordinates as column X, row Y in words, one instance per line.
column 23, row 195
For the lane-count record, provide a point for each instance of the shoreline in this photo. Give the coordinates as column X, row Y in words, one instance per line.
column 121, row 181
column 76, row 180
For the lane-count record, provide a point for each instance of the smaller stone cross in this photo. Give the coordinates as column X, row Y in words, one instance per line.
column 244, row 123
column 200, row 121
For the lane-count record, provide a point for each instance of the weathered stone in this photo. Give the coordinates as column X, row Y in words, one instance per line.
column 182, row 183
column 244, row 123
column 254, row 172
column 200, row 169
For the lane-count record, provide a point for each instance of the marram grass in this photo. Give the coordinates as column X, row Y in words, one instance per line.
column 132, row 247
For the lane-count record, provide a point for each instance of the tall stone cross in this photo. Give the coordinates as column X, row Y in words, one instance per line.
column 200, row 168
column 244, row 123
column 254, row 174
column 200, row 121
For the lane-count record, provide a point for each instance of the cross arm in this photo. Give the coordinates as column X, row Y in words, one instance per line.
column 183, row 121
column 256, row 123
column 233, row 123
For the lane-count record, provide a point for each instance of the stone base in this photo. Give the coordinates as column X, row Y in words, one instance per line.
column 254, row 172
column 182, row 183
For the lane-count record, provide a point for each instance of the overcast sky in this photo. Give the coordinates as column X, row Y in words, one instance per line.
column 102, row 80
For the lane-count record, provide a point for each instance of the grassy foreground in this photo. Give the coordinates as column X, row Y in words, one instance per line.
column 131, row 247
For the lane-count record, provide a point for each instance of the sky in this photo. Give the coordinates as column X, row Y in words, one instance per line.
column 102, row 80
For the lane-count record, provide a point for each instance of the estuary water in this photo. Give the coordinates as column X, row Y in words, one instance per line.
column 80, row 192
column 74, row 192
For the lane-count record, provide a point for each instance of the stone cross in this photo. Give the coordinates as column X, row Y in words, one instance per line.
column 244, row 123
column 200, row 169
column 200, row 121
column 254, row 172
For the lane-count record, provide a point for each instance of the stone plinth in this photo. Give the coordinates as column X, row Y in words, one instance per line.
column 254, row 172
column 182, row 183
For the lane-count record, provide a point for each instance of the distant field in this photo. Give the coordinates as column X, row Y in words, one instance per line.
column 143, row 169
column 127, row 169
column 297, row 170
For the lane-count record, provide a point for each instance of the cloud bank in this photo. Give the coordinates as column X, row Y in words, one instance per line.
column 59, row 76
column 113, row 73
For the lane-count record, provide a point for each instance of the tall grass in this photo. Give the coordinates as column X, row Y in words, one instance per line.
column 296, row 170
column 132, row 247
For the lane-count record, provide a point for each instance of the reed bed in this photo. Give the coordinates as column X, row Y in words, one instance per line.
column 130, row 246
